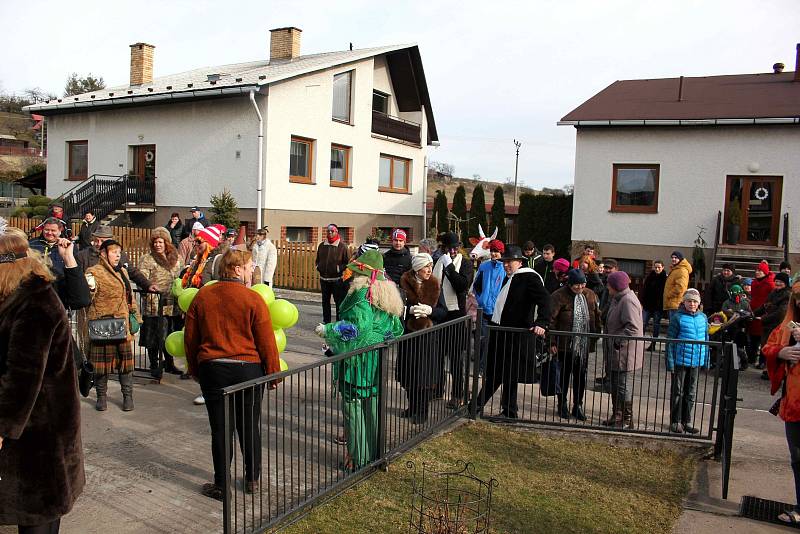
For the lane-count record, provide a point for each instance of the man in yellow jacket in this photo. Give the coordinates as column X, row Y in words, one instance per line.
column 677, row 282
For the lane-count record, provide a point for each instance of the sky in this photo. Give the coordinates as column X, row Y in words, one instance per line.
column 496, row 71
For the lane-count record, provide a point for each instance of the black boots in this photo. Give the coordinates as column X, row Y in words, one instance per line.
column 578, row 413
column 126, row 384
column 101, row 388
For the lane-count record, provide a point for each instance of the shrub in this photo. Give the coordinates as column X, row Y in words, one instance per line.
column 39, row 211
column 20, row 212
column 39, row 200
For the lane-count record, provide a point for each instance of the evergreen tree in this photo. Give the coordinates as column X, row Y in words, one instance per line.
column 499, row 214
column 225, row 210
column 78, row 86
column 526, row 220
column 460, row 210
column 442, row 223
column 477, row 214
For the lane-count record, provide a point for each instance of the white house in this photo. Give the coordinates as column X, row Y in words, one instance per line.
column 655, row 159
column 344, row 139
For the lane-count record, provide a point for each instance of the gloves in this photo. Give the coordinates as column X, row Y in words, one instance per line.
column 320, row 330
column 446, row 260
column 420, row 310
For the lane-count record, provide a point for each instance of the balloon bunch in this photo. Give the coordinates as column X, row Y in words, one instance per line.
column 284, row 316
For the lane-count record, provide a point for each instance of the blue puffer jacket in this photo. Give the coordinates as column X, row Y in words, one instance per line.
column 488, row 283
column 688, row 326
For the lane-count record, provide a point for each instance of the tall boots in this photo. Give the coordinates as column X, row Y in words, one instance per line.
column 101, row 388
column 616, row 417
column 126, row 384
column 627, row 415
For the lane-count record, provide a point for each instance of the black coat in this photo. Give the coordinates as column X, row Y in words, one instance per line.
column 773, row 311
column 652, row 295
column 719, row 292
column 85, row 233
column 396, row 262
column 528, row 302
column 545, row 270
column 175, row 233
column 460, row 281
column 188, row 223
column 41, row 462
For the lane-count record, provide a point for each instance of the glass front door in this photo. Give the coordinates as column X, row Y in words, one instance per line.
column 758, row 199
column 144, row 162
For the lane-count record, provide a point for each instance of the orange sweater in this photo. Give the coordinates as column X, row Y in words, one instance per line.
column 228, row 320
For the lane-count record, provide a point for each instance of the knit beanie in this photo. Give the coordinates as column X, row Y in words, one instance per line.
column 763, row 267
column 747, row 282
column 618, row 280
column 561, row 265
column 783, row 277
column 197, row 226
column 210, row 235
column 736, row 289
column 692, row 294
column 399, row 233
column 678, row 254
column 495, row 245
column 420, row 260
column 576, row 276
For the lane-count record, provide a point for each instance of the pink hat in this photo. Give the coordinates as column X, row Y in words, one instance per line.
column 210, row 235
column 618, row 280
column 561, row 265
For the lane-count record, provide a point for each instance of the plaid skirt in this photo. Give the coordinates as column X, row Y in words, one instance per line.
column 111, row 357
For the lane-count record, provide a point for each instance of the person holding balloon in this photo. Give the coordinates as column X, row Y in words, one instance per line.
column 229, row 339
column 369, row 314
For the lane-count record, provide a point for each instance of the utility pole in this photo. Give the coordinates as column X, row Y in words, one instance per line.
column 516, row 170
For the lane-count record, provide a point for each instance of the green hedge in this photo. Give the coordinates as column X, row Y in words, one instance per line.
column 546, row 219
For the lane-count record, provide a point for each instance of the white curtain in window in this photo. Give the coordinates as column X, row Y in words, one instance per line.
column 338, row 165
column 298, row 159
column 399, row 178
column 386, row 173
column 341, row 96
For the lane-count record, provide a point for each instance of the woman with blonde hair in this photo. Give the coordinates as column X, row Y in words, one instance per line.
column 111, row 297
column 161, row 266
column 41, row 457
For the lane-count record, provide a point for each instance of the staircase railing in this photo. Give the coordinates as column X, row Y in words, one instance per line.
column 786, row 237
column 717, row 236
column 103, row 193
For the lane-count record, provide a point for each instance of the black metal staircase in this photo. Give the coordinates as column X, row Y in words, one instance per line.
column 105, row 194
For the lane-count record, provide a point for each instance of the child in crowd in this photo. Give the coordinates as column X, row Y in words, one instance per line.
column 685, row 359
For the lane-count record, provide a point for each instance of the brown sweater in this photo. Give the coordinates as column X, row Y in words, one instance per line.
column 228, row 320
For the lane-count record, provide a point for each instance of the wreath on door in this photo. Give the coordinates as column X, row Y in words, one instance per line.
column 149, row 156
column 762, row 193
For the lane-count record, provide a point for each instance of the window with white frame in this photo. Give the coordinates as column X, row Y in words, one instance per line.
column 342, row 84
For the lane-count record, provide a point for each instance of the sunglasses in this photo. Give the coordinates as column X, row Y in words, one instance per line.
column 198, row 241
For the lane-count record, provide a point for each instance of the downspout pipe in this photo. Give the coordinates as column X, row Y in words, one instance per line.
column 259, row 181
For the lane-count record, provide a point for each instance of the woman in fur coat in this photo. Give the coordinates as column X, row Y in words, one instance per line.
column 419, row 366
column 161, row 266
column 41, row 457
column 369, row 314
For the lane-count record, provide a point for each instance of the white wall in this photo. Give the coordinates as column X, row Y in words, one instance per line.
column 302, row 106
column 694, row 165
column 196, row 146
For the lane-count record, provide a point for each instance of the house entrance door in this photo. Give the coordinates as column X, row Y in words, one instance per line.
column 759, row 201
column 144, row 162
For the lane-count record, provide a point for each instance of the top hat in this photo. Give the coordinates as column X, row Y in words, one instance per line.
column 513, row 252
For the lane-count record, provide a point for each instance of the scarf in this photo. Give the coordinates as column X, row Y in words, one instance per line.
column 449, row 294
column 501, row 298
column 580, row 324
column 196, row 279
column 333, row 240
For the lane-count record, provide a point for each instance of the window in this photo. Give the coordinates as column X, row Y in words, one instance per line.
column 340, row 166
column 78, row 157
column 301, row 156
column 394, row 173
column 635, row 188
column 301, row 234
column 380, row 102
column 634, row 268
column 341, row 96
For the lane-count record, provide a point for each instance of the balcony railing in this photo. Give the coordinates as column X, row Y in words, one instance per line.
column 21, row 151
column 396, row 128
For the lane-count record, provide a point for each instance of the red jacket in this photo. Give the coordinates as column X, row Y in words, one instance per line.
column 779, row 369
column 760, row 290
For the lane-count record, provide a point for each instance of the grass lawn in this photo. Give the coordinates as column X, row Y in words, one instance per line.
column 546, row 485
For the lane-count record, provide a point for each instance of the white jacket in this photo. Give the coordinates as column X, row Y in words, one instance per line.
column 265, row 256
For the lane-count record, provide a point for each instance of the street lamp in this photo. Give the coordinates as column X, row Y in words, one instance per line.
column 516, row 170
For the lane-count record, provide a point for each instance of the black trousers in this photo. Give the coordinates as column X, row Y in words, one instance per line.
column 244, row 415
column 337, row 290
column 418, row 401
column 571, row 367
column 47, row 528
column 497, row 373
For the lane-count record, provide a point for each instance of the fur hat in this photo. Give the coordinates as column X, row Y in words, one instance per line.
column 561, row 265
column 763, row 267
column 576, row 276
column 783, row 277
column 210, row 235
column 420, row 260
column 618, row 280
column 692, row 294
column 161, row 232
column 678, row 254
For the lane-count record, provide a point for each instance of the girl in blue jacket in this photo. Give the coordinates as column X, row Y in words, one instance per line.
column 685, row 359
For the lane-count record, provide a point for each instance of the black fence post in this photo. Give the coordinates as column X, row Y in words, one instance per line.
column 383, row 389
column 227, row 400
column 476, row 364
column 723, row 445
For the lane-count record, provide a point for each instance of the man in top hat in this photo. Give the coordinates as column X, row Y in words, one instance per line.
column 89, row 257
column 197, row 216
column 523, row 302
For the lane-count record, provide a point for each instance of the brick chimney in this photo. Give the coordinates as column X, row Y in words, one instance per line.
column 284, row 43
column 141, row 63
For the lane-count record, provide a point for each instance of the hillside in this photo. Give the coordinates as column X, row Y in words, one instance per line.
column 451, row 184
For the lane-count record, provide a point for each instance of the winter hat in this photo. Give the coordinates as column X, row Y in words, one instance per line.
column 103, row 232
column 678, row 254
column 210, row 235
column 747, row 282
column 576, row 276
column 420, row 260
column 399, row 233
column 450, row 240
column 763, row 267
column 561, row 265
column 161, row 232
column 366, row 247
column 736, row 289
column 368, row 264
column 618, row 280
column 692, row 294
column 495, row 245
column 783, row 277
column 197, row 226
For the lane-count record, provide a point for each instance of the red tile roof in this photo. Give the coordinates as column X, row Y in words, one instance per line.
column 742, row 96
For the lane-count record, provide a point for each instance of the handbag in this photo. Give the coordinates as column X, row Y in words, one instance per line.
column 134, row 323
column 85, row 370
column 108, row 330
column 534, row 355
column 776, row 406
column 550, row 385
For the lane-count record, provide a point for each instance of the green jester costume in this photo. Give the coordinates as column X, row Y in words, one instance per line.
column 369, row 315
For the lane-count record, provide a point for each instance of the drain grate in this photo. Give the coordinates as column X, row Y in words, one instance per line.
column 764, row 510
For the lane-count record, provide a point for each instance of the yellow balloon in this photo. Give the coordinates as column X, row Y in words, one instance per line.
column 280, row 339
column 265, row 291
column 186, row 298
column 284, row 365
column 174, row 344
column 177, row 287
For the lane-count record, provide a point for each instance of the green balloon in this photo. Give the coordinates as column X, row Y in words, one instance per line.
column 174, row 344
column 210, row 282
column 284, row 365
column 280, row 339
column 177, row 287
column 282, row 314
column 265, row 291
column 187, row 297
